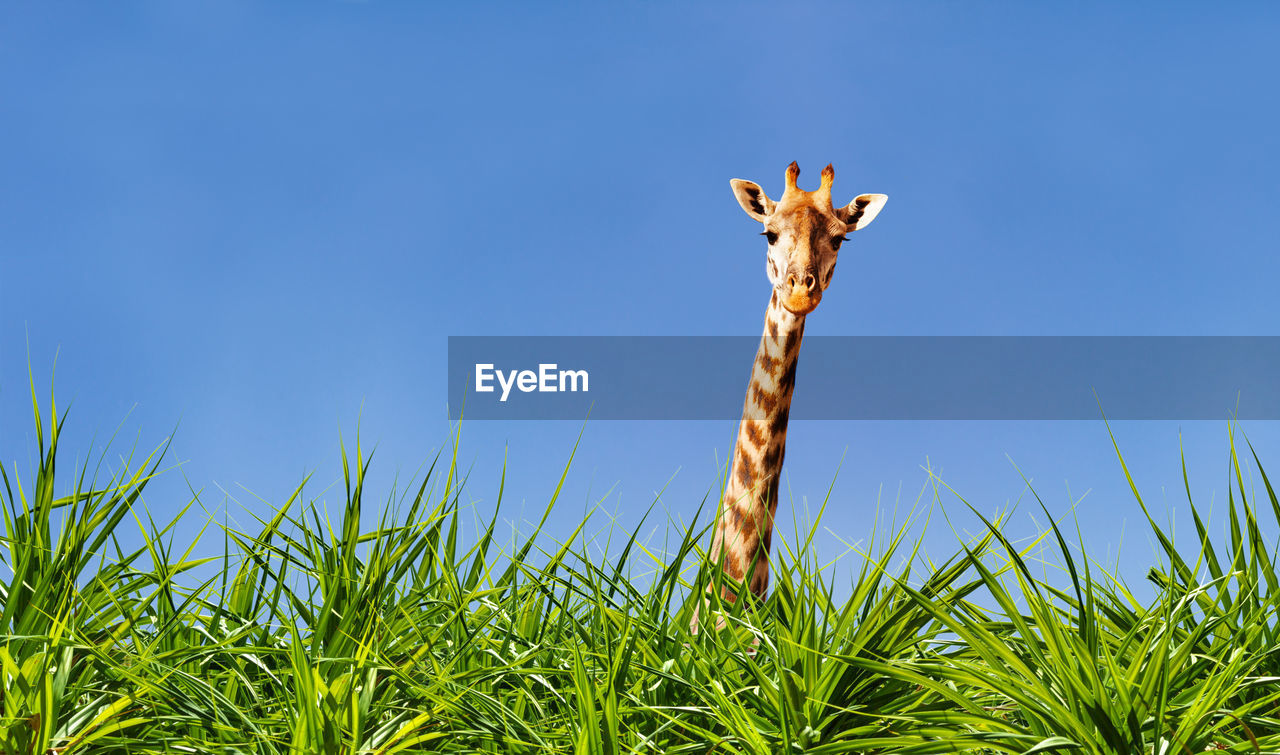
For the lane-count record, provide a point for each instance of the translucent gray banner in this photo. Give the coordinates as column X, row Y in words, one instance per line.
column 870, row 377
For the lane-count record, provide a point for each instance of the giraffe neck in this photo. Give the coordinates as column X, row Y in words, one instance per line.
column 745, row 526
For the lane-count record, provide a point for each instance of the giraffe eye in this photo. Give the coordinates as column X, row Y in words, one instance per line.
column 837, row 241
column 770, row 236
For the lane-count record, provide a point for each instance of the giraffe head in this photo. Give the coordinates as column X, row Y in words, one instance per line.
column 804, row 232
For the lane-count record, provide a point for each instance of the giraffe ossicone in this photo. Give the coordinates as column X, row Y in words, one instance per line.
column 804, row 232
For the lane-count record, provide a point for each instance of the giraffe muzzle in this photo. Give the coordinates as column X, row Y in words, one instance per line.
column 800, row 293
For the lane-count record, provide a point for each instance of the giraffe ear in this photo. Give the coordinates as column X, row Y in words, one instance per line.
column 754, row 201
column 862, row 210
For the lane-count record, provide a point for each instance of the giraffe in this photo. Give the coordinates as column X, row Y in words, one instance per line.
column 804, row 232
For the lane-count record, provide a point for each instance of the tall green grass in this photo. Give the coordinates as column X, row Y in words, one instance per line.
column 385, row 630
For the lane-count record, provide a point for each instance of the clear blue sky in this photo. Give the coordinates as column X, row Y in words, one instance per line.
column 259, row 222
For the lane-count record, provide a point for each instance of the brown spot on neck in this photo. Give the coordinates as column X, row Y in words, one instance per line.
column 766, row 400
column 778, row 425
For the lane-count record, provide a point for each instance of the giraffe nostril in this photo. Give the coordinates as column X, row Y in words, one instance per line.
column 791, row 280
column 810, row 282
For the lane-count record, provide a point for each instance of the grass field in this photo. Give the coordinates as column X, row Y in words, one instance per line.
column 387, row 631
